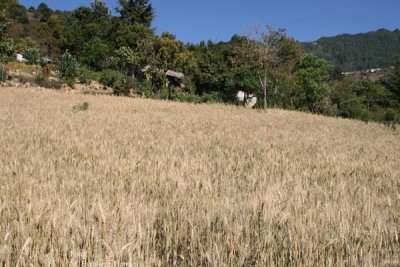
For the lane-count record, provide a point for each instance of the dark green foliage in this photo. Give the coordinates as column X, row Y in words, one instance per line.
column 313, row 74
column 7, row 48
column 43, row 12
column 353, row 109
column 81, row 107
column 145, row 88
column 391, row 117
column 113, row 79
column 211, row 97
column 41, row 79
column 358, row 52
column 191, row 98
column 3, row 75
column 31, row 55
column 95, row 53
column 393, row 82
column 4, row 24
column 15, row 10
column 84, row 76
column 100, row 10
column 136, row 11
column 67, row 68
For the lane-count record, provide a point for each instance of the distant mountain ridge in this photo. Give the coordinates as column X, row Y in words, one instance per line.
column 376, row 49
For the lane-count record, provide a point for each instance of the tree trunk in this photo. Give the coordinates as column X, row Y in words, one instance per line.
column 265, row 91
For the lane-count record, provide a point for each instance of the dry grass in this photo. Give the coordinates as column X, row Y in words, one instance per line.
column 170, row 184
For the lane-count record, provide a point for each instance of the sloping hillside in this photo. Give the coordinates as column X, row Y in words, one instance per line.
column 156, row 183
column 378, row 49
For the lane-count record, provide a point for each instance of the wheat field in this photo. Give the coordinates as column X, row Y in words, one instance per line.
column 135, row 182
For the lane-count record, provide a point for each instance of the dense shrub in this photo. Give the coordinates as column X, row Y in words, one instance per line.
column 191, row 98
column 31, row 55
column 67, row 68
column 354, row 109
column 145, row 88
column 391, row 117
column 86, row 76
column 113, row 79
column 42, row 79
column 211, row 97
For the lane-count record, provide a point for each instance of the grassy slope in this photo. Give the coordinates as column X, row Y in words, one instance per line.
column 166, row 184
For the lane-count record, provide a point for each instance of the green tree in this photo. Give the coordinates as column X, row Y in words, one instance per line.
column 212, row 71
column 100, row 10
column 7, row 48
column 370, row 94
column 31, row 55
column 15, row 10
column 393, row 82
column 95, row 53
column 313, row 74
column 67, row 68
column 50, row 36
column 262, row 50
column 136, row 11
column 133, row 36
column 43, row 12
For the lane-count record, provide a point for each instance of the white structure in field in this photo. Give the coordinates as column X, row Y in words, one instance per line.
column 246, row 99
column 20, row 58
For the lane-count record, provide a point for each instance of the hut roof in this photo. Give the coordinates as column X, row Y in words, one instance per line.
column 175, row 74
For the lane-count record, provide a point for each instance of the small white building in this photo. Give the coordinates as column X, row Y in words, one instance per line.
column 246, row 99
column 20, row 58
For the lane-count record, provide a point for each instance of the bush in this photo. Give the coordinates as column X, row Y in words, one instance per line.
column 211, row 97
column 31, row 55
column 109, row 77
column 354, row 109
column 164, row 92
column 82, row 107
column 42, row 79
column 113, row 79
column 3, row 75
column 145, row 88
column 67, row 68
column 390, row 117
column 84, row 76
column 191, row 98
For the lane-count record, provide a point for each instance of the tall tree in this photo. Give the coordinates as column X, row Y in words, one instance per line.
column 262, row 50
column 314, row 74
column 44, row 12
column 100, row 9
column 136, row 11
column 6, row 45
column 393, row 83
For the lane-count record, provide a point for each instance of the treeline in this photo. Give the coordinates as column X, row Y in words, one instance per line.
column 122, row 51
column 378, row 49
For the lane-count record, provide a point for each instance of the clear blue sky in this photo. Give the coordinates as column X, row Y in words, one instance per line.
column 217, row 20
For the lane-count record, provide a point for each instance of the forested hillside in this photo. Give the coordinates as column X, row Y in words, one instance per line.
column 377, row 49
